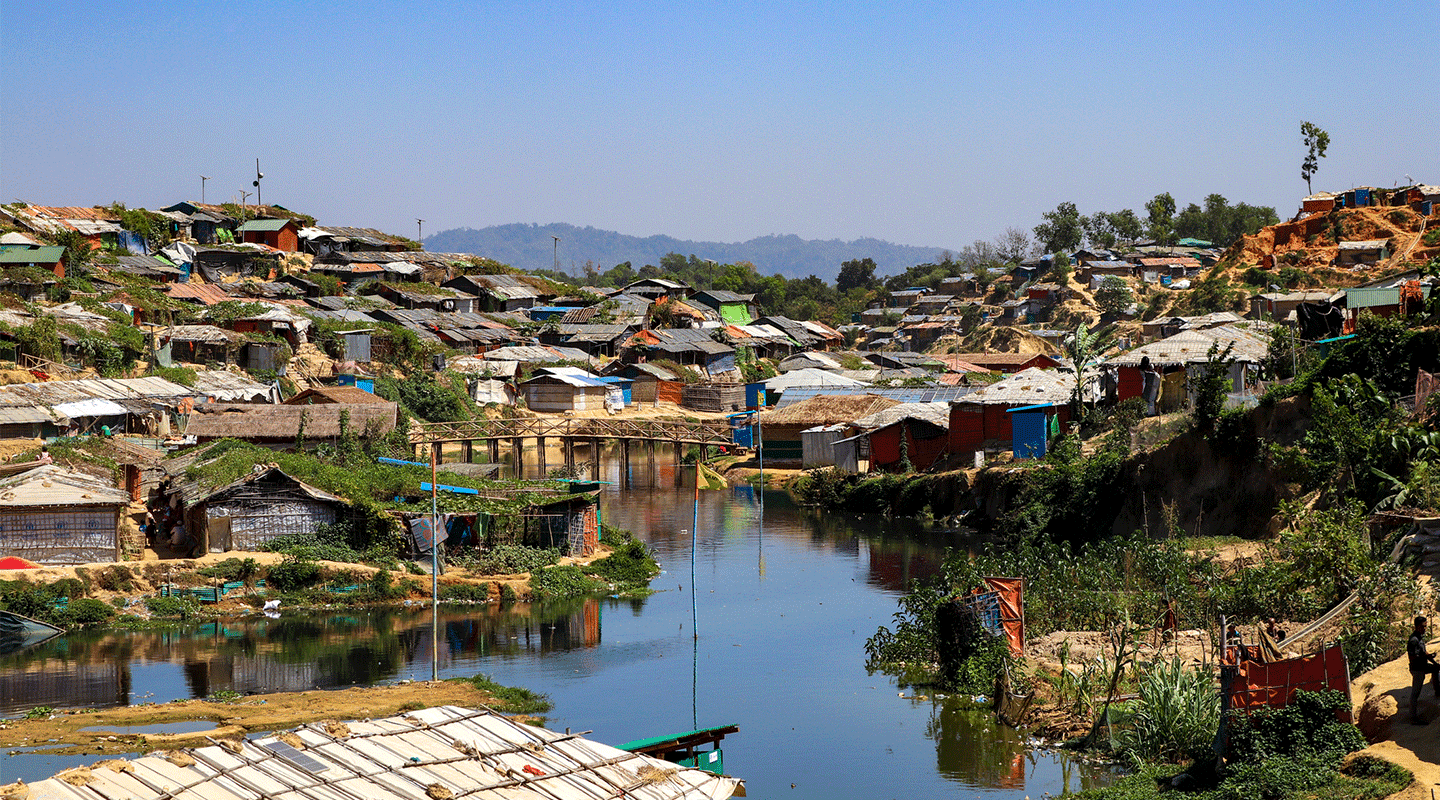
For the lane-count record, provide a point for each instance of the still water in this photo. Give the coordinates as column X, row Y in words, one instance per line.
column 785, row 602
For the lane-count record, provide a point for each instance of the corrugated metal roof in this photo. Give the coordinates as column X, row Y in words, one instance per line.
column 207, row 293
column 1193, row 346
column 264, row 225
column 52, row 485
column 936, row 413
column 119, row 389
column 1368, row 244
column 12, row 254
column 1025, row 387
column 231, row 387
column 904, row 394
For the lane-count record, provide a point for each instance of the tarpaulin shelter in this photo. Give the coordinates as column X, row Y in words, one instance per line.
column 1000, row 605
column 1251, row 685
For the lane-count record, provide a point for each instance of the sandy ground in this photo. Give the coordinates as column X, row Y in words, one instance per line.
column 1381, row 701
column 266, row 712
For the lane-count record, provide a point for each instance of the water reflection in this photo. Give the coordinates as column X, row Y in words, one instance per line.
column 294, row 653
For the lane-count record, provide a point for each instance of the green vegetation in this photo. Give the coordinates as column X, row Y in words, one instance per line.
column 507, row 559
column 510, row 698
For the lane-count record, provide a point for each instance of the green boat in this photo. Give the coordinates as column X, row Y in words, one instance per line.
column 683, row 748
column 18, row 633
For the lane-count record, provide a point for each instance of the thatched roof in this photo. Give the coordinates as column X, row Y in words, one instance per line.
column 332, row 395
column 281, row 423
column 827, row 410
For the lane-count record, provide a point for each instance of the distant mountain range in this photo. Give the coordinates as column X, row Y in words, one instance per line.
column 531, row 247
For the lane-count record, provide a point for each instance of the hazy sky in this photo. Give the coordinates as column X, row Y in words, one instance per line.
column 928, row 124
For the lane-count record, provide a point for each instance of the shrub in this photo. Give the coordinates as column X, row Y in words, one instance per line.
column 88, row 611
column 553, row 583
column 293, row 573
column 1177, row 715
column 464, row 593
column 179, row 607
column 511, row 698
column 508, row 559
column 508, row 596
column 233, row 569
column 629, row 566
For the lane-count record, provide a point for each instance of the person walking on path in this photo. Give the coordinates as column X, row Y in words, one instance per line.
column 1422, row 664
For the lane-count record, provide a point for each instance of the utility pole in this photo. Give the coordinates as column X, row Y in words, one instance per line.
column 419, row 230
column 243, row 194
column 557, row 251
column 203, row 178
column 258, row 176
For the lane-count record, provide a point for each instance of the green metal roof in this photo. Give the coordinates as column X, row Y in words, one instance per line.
column 640, row 744
column 32, row 255
column 264, row 225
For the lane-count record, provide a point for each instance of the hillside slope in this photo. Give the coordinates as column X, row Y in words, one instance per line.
column 531, row 247
column 1309, row 244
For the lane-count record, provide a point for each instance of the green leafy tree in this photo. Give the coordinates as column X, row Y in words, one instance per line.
column 1212, row 383
column 1100, row 230
column 1316, row 141
column 1062, row 229
column 1113, row 296
column 1160, row 220
column 1127, row 226
column 857, row 273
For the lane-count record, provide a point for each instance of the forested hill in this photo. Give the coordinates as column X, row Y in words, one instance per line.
column 531, row 247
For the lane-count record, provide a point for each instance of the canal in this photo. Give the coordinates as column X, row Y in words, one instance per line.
column 785, row 600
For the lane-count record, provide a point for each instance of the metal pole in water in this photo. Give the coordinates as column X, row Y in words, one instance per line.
column 434, row 571
column 694, row 535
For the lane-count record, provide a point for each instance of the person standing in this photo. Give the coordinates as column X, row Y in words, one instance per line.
column 1422, row 664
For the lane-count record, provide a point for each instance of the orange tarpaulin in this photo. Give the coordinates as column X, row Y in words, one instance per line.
column 1256, row 685
column 1009, row 596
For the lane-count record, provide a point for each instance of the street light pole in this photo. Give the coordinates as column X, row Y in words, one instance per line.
column 557, row 251
column 203, row 178
column 420, row 230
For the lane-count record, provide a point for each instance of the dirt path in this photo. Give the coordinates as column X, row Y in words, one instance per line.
column 1381, row 701
column 62, row 733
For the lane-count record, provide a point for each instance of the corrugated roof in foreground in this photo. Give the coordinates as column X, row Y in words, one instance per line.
column 431, row 753
column 904, row 394
column 53, row 485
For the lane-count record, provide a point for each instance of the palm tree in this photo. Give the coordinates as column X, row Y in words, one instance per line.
column 1084, row 348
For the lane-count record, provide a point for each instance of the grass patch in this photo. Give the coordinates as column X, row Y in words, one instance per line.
column 514, row 699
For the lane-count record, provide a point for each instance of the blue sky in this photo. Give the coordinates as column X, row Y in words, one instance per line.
column 929, row 124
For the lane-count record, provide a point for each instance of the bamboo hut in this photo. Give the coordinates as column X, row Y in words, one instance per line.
column 282, row 424
column 53, row 515
column 783, row 428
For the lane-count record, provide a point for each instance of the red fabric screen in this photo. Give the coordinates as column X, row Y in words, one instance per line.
column 1271, row 685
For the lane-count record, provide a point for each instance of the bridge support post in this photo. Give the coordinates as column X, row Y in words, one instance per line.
column 494, row 451
column 568, row 444
column 439, row 448
column 467, row 451
column 594, row 459
column 625, row 463
column 540, row 455
column 517, row 452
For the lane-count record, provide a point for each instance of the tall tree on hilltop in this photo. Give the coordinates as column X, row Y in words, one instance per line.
column 1161, row 221
column 857, row 273
column 1315, row 141
column 1127, row 225
column 1013, row 246
column 1062, row 230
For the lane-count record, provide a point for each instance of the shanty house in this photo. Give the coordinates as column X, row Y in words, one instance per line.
column 923, row 427
column 199, row 344
column 498, row 292
column 255, row 509
column 978, row 420
column 567, row 389
column 1174, row 357
column 49, row 258
column 650, row 383
column 1009, row 363
column 656, row 288
column 1366, row 253
column 281, row 234
column 734, row 309
column 53, row 515
column 281, row 425
column 782, row 429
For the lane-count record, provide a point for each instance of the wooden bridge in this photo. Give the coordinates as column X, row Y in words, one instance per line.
column 570, row 432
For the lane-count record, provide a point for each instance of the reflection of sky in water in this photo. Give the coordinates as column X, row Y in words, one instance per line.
column 784, row 615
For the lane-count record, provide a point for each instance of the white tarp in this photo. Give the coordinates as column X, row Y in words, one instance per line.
column 91, row 408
